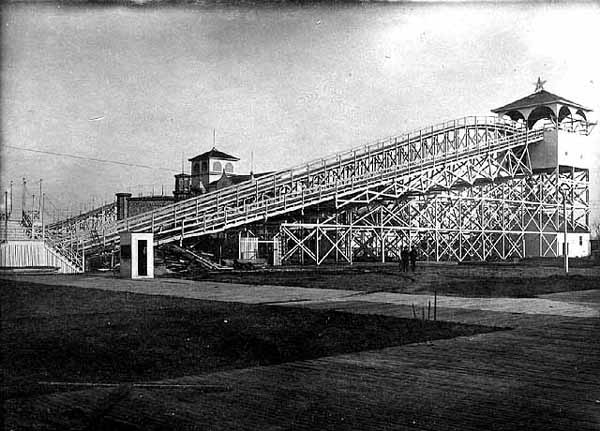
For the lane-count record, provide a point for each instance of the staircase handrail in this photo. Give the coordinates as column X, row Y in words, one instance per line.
column 83, row 216
column 61, row 248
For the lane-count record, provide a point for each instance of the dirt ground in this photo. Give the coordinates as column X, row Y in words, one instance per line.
column 493, row 280
column 65, row 334
column 164, row 354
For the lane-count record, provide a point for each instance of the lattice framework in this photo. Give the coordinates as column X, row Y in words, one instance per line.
column 508, row 217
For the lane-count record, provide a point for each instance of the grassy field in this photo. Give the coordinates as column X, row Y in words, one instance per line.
column 69, row 334
column 518, row 281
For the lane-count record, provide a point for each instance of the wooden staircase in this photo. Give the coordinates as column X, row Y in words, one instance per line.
column 25, row 248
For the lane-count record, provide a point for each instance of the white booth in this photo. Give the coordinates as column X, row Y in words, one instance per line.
column 137, row 255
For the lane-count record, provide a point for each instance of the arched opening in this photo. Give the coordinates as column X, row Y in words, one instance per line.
column 581, row 115
column 541, row 117
column 196, row 169
column 204, row 166
column 565, row 119
column 228, row 167
column 565, row 113
column 579, row 123
column 515, row 116
column 217, row 167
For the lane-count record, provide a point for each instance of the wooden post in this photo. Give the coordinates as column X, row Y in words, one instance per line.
column 182, row 233
column 565, row 242
column 350, row 236
column 381, row 233
column 317, row 242
column 337, row 223
column 82, row 257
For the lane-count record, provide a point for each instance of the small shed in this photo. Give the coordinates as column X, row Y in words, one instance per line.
column 137, row 255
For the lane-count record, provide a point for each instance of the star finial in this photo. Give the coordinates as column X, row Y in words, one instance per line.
column 539, row 85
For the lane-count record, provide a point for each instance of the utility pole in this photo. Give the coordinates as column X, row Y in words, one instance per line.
column 6, row 216
column 565, row 243
column 42, row 216
column 23, row 204
column 11, row 197
column 32, row 216
column 41, row 208
column 566, row 253
column 40, row 200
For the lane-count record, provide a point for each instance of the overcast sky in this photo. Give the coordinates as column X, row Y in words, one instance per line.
column 144, row 85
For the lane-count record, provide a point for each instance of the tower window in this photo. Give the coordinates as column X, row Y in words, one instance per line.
column 217, row 166
column 228, row 167
column 204, row 166
column 580, row 240
column 196, row 168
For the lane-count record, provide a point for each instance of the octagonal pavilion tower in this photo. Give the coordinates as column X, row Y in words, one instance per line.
column 560, row 165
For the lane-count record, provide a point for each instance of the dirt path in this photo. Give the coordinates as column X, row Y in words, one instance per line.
column 568, row 304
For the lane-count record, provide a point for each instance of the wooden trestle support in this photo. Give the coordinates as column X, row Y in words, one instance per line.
column 461, row 189
column 508, row 217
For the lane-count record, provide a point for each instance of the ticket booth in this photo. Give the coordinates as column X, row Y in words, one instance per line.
column 137, row 255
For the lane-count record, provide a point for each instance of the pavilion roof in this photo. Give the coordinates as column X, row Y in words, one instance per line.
column 538, row 98
column 215, row 154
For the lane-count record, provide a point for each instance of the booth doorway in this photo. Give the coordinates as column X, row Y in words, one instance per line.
column 142, row 257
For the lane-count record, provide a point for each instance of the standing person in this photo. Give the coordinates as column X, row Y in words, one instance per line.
column 413, row 258
column 405, row 256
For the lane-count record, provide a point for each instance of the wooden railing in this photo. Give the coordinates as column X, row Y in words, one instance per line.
column 323, row 179
column 71, row 253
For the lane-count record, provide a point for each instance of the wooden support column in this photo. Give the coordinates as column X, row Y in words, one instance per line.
column 381, row 233
column 301, row 247
column 350, row 233
column 317, row 242
column 437, row 230
column 82, row 258
column 503, row 212
column 337, row 236
column 482, row 221
column 572, row 198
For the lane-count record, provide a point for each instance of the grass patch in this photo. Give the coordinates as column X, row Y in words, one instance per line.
column 515, row 287
column 87, row 335
column 461, row 280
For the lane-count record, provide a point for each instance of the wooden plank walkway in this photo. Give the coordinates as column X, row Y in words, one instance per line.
column 543, row 374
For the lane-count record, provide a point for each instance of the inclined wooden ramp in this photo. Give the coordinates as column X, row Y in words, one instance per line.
column 359, row 173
